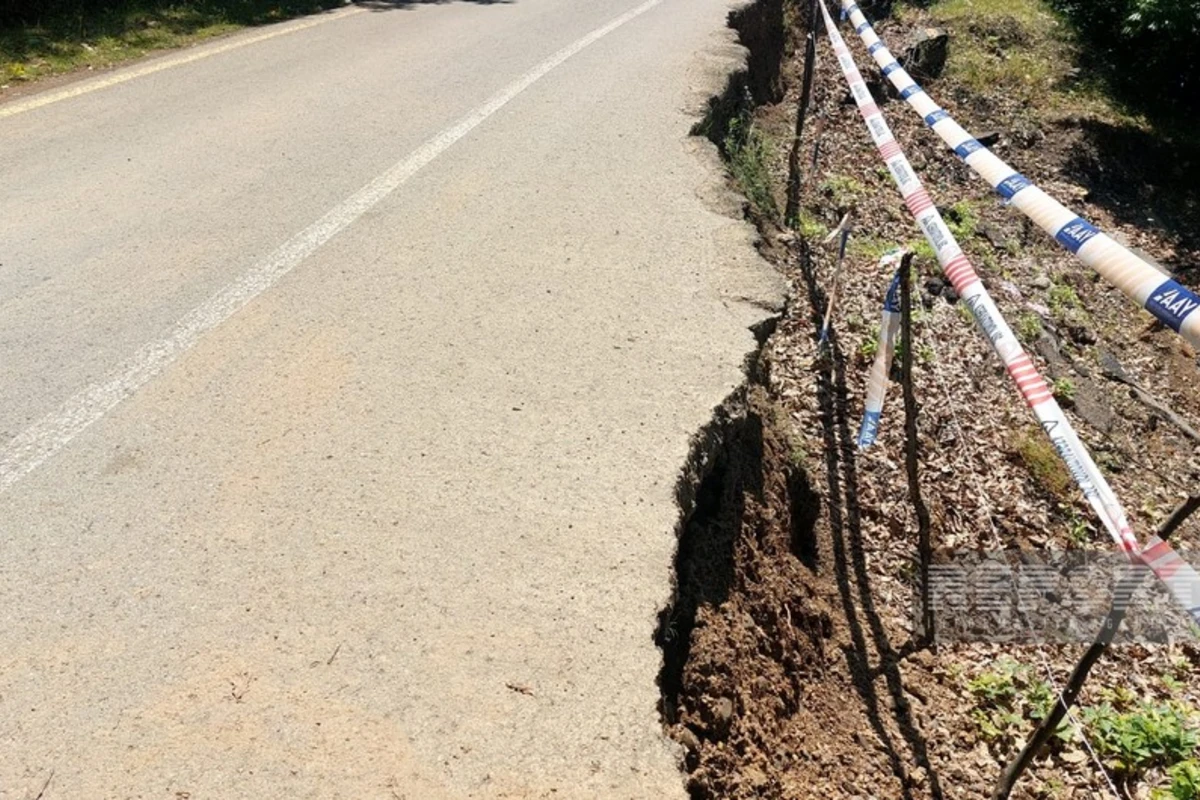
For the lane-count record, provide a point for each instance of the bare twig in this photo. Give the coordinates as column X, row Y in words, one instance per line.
column 40, row 795
column 843, row 230
column 1113, row 370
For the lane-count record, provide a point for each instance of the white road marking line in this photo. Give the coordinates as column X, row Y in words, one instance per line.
column 158, row 65
column 43, row 439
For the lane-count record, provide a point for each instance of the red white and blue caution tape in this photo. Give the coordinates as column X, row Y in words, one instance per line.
column 1180, row 578
column 1169, row 301
column 877, row 379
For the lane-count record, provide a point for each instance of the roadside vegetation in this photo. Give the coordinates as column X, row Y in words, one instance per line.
column 48, row 37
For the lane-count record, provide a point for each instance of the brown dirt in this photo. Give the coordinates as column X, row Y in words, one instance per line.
column 791, row 665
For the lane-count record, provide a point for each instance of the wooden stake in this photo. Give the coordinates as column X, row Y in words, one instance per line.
column 924, row 543
column 791, row 216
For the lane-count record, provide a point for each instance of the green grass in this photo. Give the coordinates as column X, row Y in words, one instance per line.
column 962, row 220
column 748, row 151
column 128, row 30
column 1063, row 389
column 1063, row 298
column 1043, row 463
column 1019, row 46
column 1029, row 327
column 811, row 228
column 871, row 247
column 843, row 191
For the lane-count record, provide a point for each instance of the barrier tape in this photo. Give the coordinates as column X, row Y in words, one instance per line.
column 1169, row 301
column 1180, row 578
column 877, row 379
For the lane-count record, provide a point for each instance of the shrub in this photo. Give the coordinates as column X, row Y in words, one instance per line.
column 1147, row 48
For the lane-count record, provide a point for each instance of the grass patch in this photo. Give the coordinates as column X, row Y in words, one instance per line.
column 1064, row 389
column 843, row 191
column 1029, row 327
column 1043, row 463
column 748, row 151
column 871, row 247
column 811, row 228
column 1019, row 46
column 99, row 38
column 962, row 220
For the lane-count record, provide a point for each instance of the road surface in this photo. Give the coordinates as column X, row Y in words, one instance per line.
column 346, row 375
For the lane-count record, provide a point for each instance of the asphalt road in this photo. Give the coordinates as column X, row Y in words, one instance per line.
column 345, row 375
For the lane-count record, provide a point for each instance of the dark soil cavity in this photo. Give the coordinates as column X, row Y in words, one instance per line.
column 763, row 31
column 744, row 630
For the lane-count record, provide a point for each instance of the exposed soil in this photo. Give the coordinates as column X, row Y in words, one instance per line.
column 792, row 668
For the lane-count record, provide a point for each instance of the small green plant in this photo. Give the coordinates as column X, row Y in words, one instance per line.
column 1078, row 529
column 1029, row 328
column 998, row 686
column 1062, row 298
column 1121, row 698
column 1009, row 698
column 844, row 191
column 797, row 453
column 1064, row 389
column 1042, row 700
column 870, row 345
column 811, row 228
column 922, row 250
column 1185, row 782
column 871, row 247
column 1150, row 735
column 962, row 220
column 748, row 152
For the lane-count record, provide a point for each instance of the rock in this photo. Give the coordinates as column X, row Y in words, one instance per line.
column 1040, row 281
column 950, row 294
column 1081, row 334
column 689, row 740
column 1026, row 135
column 993, row 235
column 723, row 712
column 1011, row 289
column 925, row 56
column 1111, row 368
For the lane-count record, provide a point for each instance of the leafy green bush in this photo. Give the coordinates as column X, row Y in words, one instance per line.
column 1185, row 782
column 1150, row 735
column 1148, row 48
